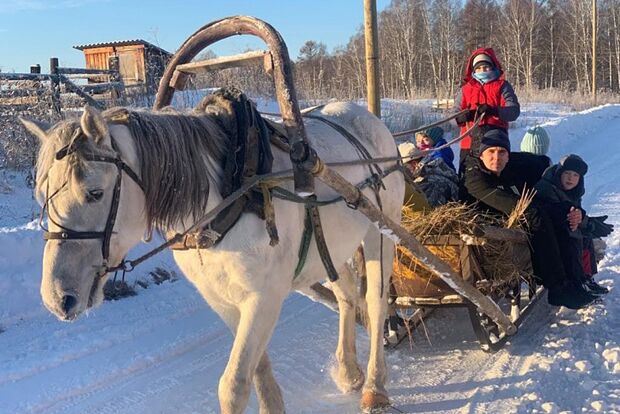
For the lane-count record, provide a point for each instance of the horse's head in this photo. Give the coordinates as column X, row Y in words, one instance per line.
column 95, row 207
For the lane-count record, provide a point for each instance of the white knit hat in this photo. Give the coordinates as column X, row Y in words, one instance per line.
column 406, row 150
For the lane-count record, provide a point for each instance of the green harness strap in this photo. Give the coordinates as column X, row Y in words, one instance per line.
column 302, row 254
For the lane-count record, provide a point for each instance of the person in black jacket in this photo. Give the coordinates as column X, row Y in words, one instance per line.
column 560, row 190
column 492, row 183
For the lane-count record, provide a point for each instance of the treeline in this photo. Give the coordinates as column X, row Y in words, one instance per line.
column 542, row 44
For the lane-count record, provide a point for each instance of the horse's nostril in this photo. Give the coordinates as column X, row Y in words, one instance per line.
column 68, row 303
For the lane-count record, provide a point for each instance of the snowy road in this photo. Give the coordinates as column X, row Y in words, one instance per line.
column 163, row 350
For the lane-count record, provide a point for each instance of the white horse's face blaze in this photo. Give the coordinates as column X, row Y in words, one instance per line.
column 79, row 197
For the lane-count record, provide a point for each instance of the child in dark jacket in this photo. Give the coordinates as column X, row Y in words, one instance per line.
column 560, row 190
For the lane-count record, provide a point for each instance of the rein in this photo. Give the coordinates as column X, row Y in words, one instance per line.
column 270, row 179
column 258, row 180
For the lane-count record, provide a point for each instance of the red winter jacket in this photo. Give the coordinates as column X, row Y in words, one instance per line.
column 498, row 94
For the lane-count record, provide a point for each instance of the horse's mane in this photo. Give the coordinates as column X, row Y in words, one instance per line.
column 178, row 153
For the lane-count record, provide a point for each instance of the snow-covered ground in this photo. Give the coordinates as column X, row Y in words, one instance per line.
column 163, row 350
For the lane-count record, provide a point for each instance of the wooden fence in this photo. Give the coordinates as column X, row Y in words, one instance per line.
column 61, row 80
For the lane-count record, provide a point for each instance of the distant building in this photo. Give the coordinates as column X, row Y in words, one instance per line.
column 141, row 63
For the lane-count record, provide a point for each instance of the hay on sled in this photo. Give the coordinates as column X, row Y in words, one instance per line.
column 500, row 264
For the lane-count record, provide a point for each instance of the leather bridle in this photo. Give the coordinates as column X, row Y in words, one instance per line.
column 106, row 235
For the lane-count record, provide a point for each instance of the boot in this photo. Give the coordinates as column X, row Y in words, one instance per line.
column 569, row 297
column 594, row 288
column 393, row 330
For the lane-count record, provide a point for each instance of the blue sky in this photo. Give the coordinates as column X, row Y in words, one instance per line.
column 32, row 31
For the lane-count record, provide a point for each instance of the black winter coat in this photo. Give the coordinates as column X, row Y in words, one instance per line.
column 558, row 201
column 501, row 194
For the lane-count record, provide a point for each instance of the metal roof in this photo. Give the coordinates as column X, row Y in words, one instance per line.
column 122, row 43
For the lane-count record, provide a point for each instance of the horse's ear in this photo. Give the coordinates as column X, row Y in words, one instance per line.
column 36, row 128
column 94, row 125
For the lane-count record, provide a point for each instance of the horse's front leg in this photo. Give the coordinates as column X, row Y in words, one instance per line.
column 377, row 252
column 258, row 316
column 267, row 389
column 349, row 376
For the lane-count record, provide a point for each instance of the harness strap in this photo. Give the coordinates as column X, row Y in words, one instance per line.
column 304, row 246
column 352, row 139
column 321, row 244
column 70, row 234
column 270, row 216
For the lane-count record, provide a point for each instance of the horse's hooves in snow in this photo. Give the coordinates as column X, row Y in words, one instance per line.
column 372, row 400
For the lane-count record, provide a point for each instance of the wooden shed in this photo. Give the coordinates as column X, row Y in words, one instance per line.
column 141, row 63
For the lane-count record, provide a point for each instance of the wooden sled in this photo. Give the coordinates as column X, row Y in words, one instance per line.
column 416, row 287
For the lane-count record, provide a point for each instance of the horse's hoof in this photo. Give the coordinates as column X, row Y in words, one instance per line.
column 348, row 385
column 371, row 400
column 358, row 383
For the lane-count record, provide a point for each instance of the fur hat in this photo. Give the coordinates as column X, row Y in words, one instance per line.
column 407, row 151
column 575, row 163
column 482, row 58
column 494, row 138
column 536, row 141
column 434, row 134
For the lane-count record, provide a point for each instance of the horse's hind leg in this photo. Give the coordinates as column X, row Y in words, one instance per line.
column 258, row 317
column 379, row 252
column 267, row 389
column 349, row 376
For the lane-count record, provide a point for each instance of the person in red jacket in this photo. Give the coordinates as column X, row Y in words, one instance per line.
column 484, row 93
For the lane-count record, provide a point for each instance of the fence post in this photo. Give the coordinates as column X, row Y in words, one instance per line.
column 115, row 76
column 55, row 86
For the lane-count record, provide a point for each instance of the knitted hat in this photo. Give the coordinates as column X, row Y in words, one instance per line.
column 408, row 151
column 575, row 163
column 434, row 134
column 482, row 59
column 494, row 138
column 536, row 141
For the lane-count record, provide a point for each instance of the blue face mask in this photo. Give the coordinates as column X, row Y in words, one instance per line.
column 485, row 77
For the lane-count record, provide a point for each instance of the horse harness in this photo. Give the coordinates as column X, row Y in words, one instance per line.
column 312, row 222
column 208, row 236
column 251, row 137
column 106, row 235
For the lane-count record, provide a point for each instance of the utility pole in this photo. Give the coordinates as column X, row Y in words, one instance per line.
column 594, row 30
column 371, row 37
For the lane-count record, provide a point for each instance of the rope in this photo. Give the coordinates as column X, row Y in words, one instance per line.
column 396, row 134
column 425, row 127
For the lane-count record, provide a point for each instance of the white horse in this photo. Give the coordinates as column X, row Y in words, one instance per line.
column 177, row 160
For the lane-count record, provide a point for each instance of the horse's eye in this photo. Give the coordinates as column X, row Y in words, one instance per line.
column 94, row 195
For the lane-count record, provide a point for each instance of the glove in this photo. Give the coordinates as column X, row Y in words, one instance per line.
column 465, row 117
column 598, row 228
column 486, row 110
